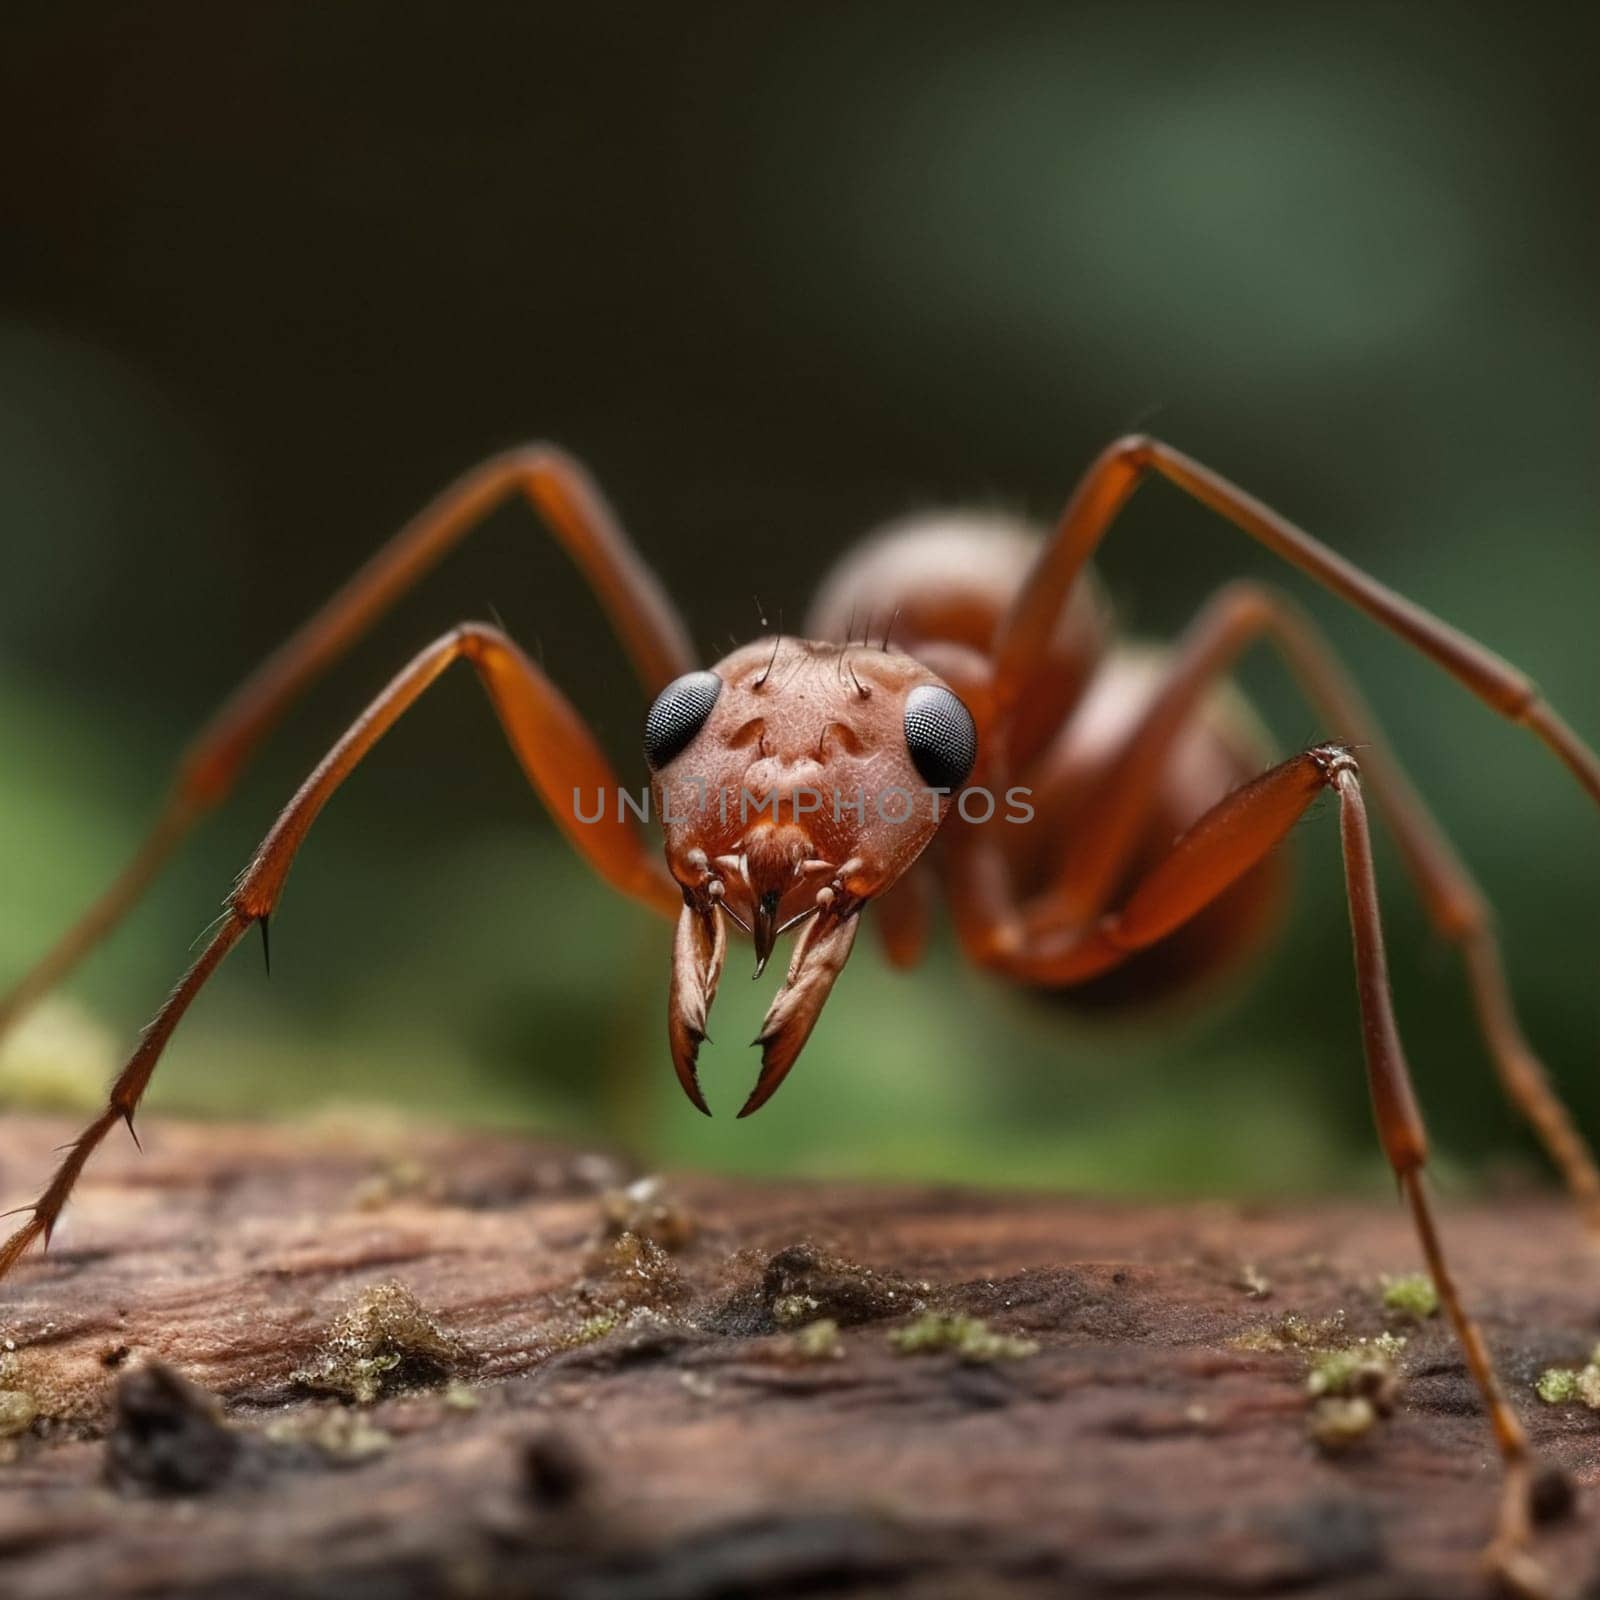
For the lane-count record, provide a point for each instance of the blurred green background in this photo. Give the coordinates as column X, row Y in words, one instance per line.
column 272, row 275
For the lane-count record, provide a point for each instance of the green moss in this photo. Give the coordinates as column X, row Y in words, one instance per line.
column 818, row 1341
column 1333, row 1372
column 790, row 1310
column 970, row 1338
column 1389, row 1345
column 1412, row 1295
column 1352, row 1387
column 1557, row 1386
column 1365, row 1369
column 594, row 1328
column 1338, row 1421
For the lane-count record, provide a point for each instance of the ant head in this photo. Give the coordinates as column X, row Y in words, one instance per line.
column 794, row 782
column 797, row 776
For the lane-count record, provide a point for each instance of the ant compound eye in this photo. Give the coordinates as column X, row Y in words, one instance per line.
column 678, row 714
column 941, row 736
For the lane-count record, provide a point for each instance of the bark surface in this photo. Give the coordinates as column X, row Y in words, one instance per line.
column 307, row 1362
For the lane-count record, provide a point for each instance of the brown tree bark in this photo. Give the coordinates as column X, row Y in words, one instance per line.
column 438, row 1369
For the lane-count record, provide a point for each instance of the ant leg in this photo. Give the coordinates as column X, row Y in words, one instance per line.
column 1223, row 845
column 1024, row 635
column 1101, row 845
column 556, row 486
column 1405, row 1143
column 562, row 762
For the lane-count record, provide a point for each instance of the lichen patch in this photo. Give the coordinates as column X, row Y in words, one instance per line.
column 386, row 1340
column 1411, row 1295
column 1558, row 1386
column 970, row 1339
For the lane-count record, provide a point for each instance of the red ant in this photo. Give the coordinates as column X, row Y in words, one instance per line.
column 1007, row 676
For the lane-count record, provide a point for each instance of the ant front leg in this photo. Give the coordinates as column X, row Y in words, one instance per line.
column 1405, row 1143
column 1214, row 854
column 1024, row 637
column 1097, row 855
column 556, row 487
column 562, row 762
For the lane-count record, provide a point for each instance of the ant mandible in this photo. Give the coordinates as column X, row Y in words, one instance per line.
column 1006, row 672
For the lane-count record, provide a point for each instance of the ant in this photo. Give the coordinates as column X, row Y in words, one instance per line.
column 1006, row 676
